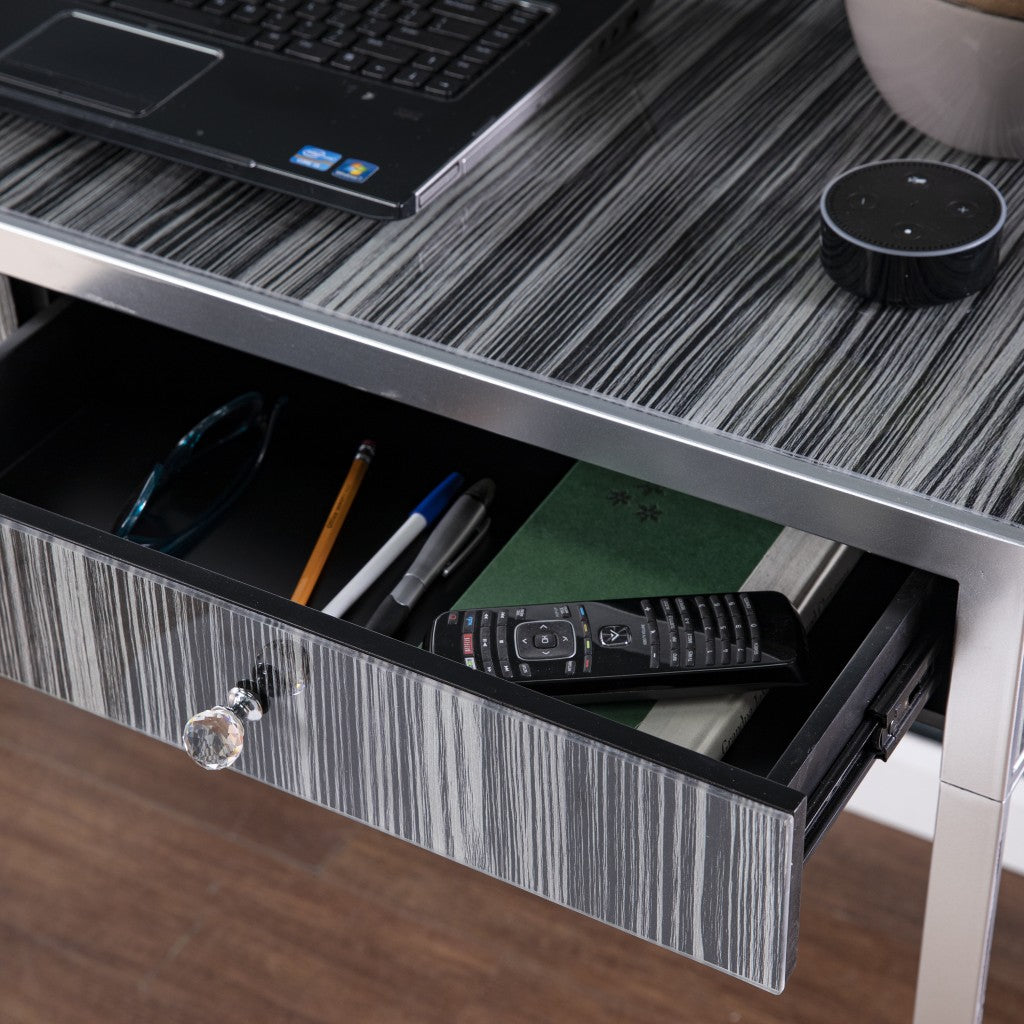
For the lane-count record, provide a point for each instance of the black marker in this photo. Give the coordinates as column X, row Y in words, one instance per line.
column 458, row 531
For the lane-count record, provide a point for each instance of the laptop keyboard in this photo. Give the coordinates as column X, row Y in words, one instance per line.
column 438, row 47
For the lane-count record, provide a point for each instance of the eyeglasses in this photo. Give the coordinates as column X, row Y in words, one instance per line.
column 205, row 472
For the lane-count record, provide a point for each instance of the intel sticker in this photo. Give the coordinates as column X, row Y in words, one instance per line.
column 355, row 170
column 315, row 158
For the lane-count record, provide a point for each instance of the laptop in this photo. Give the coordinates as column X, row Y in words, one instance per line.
column 373, row 106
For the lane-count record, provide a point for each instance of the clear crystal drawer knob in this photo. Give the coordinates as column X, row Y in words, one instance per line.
column 214, row 738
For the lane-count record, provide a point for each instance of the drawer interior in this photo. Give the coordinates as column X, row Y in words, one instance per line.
column 89, row 406
column 89, row 399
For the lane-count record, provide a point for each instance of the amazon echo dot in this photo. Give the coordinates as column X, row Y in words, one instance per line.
column 911, row 232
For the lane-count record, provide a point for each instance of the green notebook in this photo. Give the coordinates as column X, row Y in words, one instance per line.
column 602, row 535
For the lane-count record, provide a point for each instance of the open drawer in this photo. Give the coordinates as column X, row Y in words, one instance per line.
column 701, row 856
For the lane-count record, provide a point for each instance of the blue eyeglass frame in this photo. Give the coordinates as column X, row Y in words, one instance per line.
column 250, row 408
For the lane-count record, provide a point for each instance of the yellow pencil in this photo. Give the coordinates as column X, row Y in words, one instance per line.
column 328, row 535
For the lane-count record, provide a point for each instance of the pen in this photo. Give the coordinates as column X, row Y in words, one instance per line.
column 463, row 524
column 423, row 515
column 329, row 533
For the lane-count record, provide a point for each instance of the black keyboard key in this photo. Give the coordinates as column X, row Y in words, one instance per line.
column 249, row 14
column 352, row 5
column 343, row 19
column 220, row 7
column 469, row 11
column 200, row 21
column 279, row 22
column 382, row 49
column 525, row 14
column 309, row 30
column 464, row 69
column 386, row 9
column 374, row 27
column 186, row 3
column 282, row 5
column 313, row 10
column 432, row 62
column 498, row 38
column 271, row 40
column 348, row 61
column 422, row 40
column 481, row 54
column 308, row 49
column 517, row 23
column 412, row 78
column 457, row 28
column 415, row 18
column 381, row 70
column 443, row 85
column 339, row 38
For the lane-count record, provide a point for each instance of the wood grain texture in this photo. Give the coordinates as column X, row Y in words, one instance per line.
column 651, row 239
column 122, row 905
column 654, row 852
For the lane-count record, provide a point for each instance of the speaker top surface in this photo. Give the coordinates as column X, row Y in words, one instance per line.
column 913, row 207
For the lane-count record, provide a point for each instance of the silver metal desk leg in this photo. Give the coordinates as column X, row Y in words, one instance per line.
column 8, row 319
column 979, row 747
column 962, row 889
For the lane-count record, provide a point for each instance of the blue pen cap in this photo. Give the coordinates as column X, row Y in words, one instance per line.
column 437, row 500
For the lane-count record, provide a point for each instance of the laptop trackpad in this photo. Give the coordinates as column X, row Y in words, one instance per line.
column 113, row 66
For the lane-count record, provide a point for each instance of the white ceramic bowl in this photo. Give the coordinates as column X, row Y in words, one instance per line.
column 953, row 72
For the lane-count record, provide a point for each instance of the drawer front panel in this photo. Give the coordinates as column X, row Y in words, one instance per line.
column 656, row 852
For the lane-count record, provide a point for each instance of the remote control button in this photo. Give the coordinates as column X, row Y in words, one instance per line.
column 753, row 628
column 707, row 628
column 685, row 619
column 470, row 662
column 506, row 669
column 545, row 640
column 614, row 636
column 688, row 639
column 570, row 668
column 673, row 630
column 525, row 672
column 718, row 608
column 739, row 628
column 501, row 628
column 748, row 607
column 653, row 636
column 467, row 644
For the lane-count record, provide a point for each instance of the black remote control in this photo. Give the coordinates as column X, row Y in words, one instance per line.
column 635, row 647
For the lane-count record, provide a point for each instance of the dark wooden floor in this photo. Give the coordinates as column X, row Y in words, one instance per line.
column 137, row 888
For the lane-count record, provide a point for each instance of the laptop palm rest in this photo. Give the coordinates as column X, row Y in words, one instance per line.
column 105, row 64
